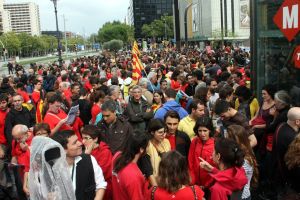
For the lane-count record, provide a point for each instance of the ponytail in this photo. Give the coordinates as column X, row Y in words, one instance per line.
column 231, row 154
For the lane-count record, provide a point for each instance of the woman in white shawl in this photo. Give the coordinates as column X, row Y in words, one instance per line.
column 48, row 175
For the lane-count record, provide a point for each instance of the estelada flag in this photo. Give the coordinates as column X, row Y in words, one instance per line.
column 137, row 65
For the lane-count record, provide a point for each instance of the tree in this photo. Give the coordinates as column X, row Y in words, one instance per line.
column 159, row 28
column 11, row 42
column 113, row 45
column 116, row 30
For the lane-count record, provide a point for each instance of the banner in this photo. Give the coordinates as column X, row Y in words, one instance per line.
column 244, row 14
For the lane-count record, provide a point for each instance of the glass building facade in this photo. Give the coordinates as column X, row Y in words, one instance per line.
column 272, row 53
column 146, row 11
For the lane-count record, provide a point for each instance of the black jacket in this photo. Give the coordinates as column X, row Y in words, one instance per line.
column 280, row 118
column 15, row 117
column 137, row 115
column 115, row 135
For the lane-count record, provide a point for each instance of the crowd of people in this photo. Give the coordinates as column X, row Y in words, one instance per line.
column 189, row 128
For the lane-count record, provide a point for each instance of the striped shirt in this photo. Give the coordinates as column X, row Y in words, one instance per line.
column 249, row 172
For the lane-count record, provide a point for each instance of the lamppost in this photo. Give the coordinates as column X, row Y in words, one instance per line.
column 58, row 35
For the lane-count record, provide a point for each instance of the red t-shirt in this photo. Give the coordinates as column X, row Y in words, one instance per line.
column 172, row 140
column 53, row 118
column 88, row 86
column 95, row 111
column 129, row 183
column 2, row 123
column 185, row 193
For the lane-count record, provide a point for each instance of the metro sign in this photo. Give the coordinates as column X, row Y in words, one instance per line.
column 287, row 18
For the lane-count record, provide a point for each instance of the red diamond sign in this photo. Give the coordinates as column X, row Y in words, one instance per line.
column 287, row 18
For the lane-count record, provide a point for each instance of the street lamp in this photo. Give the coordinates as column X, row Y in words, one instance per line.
column 58, row 35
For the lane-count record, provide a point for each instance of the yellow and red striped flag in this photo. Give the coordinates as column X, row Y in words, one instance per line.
column 135, row 49
column 137, row 65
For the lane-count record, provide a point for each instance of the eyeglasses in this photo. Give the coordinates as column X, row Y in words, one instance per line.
column 87, row 138
column 161, row 132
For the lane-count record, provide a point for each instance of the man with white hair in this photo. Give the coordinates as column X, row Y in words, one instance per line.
column 153, row 85
column 114, row 93
column 283, row 137
column 143, row 82
column 21, row 143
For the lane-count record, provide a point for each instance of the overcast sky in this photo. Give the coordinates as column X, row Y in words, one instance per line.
column 82, row 16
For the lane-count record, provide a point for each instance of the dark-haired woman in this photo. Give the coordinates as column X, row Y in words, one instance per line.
column 158, row 143
column 229, row 177
column 238, row 134
column 173, row 180
column 201, row 146
column 158, row 100
column 101, row 152
column 128, row 181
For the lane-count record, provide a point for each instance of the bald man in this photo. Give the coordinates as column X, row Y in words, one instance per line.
column 283, row 136
column 21, row 143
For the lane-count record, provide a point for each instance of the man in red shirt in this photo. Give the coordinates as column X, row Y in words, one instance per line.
column 57, row 118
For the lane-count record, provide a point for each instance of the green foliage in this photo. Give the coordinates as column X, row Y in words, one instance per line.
column 11, row 42
column 113, row 45
column 116, row 30
column 159, row 28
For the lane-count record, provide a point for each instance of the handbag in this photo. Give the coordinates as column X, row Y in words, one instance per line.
column 258, row 121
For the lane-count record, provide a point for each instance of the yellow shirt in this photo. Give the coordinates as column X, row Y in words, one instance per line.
column 155, row 159
column 187, row 125
column 254, row 106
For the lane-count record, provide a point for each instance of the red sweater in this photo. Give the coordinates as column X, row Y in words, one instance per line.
column 103, row 156
column 2, row 123
column 129, row 183
column 185, row 193
column 227, row 181
column 204, row 150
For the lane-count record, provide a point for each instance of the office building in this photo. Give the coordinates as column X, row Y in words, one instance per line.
column 24, row 18
column 206, row 20
column 5, row 25
column 146, row 11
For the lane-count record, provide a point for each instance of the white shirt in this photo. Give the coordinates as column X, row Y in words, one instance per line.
column 99, row 178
